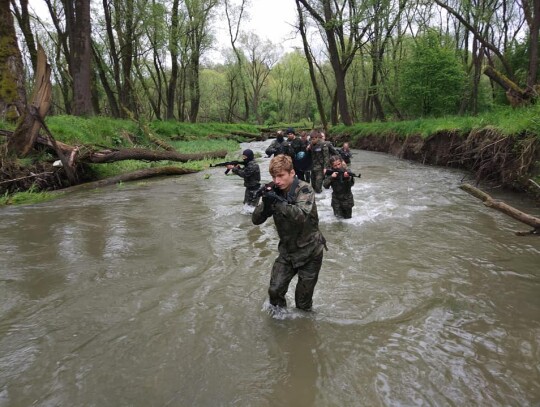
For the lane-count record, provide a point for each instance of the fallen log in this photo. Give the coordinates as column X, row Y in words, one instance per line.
column 505, row 208
column 109, row 156
column 130, row 176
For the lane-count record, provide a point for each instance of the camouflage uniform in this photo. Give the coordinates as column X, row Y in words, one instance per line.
column 300, row 244
column 280, row 147
column 342, row 197
column 320, row 155
column 252, row 181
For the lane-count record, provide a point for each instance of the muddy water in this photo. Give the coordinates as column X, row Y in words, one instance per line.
column 154, row 294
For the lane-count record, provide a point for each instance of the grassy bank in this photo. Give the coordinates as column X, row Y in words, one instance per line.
column 507, row 121
column 102, row 133
column 501, row 147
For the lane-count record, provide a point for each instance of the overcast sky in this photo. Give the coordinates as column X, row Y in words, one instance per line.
column 270, row 19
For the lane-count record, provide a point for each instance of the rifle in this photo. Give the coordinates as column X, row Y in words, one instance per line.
column 270, row 190
column 224, row 164
column 341, row 172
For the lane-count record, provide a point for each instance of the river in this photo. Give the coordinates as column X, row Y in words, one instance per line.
column 154, row 293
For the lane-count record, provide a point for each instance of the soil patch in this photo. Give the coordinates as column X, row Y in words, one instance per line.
column 507, row 161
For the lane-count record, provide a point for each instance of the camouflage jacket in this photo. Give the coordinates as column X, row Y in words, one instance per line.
column 320, row 155
column 297, row 224
column 277, row 148
column 341, row 187
column 251, row 174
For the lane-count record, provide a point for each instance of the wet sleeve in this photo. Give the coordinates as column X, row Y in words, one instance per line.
column 270, row 150
column 300, row 209
column 327, row 181
column 259, row 215
column 239, row 171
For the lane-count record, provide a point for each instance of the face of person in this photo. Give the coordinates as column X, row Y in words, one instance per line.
column 336, row 165
column 323, row 136
column 304, row 137
column 346, row 146
column 290, row 136
column 283, row 179
column 314, row 139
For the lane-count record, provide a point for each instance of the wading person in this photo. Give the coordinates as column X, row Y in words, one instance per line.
column 252, row 177
column 341, row 183
column 320, row 158
column 279, row 146
column 345, row 153
column 291, row 203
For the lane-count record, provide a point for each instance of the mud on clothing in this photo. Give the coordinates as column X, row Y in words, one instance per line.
column 300, row 244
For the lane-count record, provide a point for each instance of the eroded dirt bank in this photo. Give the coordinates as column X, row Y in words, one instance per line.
column 509, row 161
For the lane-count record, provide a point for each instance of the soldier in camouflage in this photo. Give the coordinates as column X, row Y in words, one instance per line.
column 320, row 157
column 291, row 203
column 342, row 197
column 279, row 146
column 252, row 177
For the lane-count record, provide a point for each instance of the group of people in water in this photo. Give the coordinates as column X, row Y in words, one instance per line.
column 300, row 167
column 314, row 161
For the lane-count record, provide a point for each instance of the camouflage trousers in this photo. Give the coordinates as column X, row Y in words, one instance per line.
column 282, row 274
column 317, row 177
column 250, row 198
column 342, row 208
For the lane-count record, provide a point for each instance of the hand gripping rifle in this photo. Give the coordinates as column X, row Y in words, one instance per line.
column 270, row 191
column 341, row 173
column 224, row 164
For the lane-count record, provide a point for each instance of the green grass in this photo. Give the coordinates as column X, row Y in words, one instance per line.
column 507, row 121
column 26, row 198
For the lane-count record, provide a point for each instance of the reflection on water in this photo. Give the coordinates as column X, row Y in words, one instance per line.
column 154, row 293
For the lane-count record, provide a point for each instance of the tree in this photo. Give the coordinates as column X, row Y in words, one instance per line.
column 78, row 27
column 338, row 21
column 432, row 79
column 12, row 91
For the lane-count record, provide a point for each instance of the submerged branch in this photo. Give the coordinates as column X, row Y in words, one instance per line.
column 504, row 208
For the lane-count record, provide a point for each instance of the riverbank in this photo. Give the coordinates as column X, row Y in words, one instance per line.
column 504, row 153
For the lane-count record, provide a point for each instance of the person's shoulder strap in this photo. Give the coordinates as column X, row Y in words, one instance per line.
column 292, row 192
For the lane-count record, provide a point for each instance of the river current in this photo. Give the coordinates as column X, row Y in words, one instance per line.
column 154, row 293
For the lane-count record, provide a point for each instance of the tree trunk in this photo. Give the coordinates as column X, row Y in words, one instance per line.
column 504, row 208
column 516, row 96
column 78, row 27
column 312, row 76
column 24, row 137
column 12, row 92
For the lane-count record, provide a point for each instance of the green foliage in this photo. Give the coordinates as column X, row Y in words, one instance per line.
column 96, row 130
column 506, row 120
column 174, row 129
column 26, row 198
column 432, row 78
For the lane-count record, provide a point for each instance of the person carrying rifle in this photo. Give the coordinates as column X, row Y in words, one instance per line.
column 291, row 203
column 341, row 180
column 280, row 146
column 252, row 177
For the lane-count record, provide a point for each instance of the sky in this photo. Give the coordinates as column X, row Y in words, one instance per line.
column 270, row 19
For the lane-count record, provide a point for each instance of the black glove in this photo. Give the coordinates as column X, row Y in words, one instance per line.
column 271, row 197
column 267, row 207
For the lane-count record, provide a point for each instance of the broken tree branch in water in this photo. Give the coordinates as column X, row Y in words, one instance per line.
column 505, row 208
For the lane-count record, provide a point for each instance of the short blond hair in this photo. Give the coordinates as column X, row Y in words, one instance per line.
column 280, row 163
